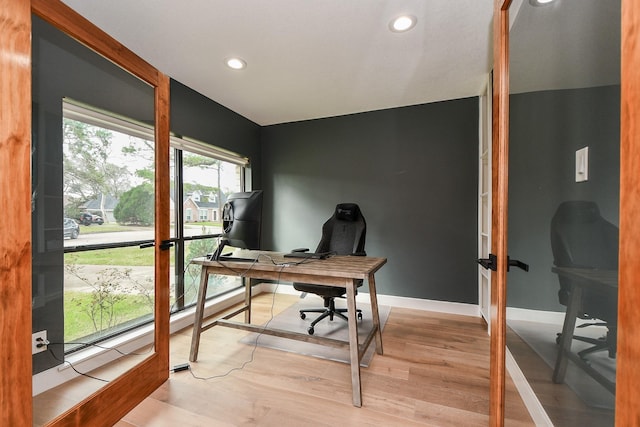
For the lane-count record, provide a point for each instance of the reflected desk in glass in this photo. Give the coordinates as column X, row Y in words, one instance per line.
column 342, row 271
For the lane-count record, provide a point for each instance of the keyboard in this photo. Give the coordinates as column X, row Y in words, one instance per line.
column 308, row 255
column 237, row 259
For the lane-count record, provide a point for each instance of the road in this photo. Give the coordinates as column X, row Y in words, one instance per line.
column 88, row 238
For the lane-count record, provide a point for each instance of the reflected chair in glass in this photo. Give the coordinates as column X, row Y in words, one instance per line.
column 342, row 234
column 581, row 238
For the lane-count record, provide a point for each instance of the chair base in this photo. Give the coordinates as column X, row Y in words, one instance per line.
column 329, row 311
column 605, row 343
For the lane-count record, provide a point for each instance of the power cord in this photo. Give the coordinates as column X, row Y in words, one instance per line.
column 185, row 366
column 74, row 368
column 255, row 343
column 90, row 345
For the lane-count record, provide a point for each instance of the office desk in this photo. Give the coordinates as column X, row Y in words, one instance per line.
column 342, row 271
column 583, row 279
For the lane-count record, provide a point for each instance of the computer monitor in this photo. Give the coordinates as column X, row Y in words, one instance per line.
column 241, row 221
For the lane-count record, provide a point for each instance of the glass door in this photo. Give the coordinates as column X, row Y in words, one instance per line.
column 563, row 204
column 99, row 209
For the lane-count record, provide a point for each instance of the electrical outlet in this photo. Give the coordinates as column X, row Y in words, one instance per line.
column 39, row 342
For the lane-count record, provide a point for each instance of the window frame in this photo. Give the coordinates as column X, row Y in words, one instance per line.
column 78, row 111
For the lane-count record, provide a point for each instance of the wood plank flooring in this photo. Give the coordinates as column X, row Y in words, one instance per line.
column 435, row 371
column 562, row 405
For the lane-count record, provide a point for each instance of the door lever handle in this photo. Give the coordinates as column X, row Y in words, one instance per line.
column 517, row 263
column 490, row 263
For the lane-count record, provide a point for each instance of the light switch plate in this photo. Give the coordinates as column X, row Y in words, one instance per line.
column 582, row 164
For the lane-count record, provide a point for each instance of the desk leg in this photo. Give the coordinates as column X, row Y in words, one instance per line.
column 567, row 334
column 374, row 312
column 197, row 323
column 247, row 299
column 354, row 351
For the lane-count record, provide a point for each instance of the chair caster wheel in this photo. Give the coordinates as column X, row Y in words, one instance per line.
column 303, row 316
column 311, row 330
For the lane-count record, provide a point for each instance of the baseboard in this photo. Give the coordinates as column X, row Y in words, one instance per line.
column 553, row 317
column 393, row 301
column 535, row 408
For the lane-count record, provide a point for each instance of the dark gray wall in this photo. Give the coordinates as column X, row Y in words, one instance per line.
column 412, row 170
column 546, row 129
column 196, row 116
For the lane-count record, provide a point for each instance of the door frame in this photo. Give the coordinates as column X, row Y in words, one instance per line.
column 627, row 374
column 499, row 204
column 627, row 411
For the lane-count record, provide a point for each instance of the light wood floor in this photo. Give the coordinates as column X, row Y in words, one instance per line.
column 434, row 371
column 561, row 404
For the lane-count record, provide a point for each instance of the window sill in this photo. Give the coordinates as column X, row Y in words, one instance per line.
column 93, row 357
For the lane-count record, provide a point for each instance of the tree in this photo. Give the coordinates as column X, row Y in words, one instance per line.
column 142, row 149
column 87, row 170
column 136, row 206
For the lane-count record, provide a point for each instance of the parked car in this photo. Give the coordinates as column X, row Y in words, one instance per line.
column 71, row 228
column 87, row 218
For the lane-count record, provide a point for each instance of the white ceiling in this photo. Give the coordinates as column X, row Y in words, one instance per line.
column 307, row 58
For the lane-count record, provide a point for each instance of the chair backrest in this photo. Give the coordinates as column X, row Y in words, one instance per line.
column 582, row 238
column 344, row 233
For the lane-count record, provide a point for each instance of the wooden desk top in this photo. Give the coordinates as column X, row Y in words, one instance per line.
column 608, row 278
column 334, row 269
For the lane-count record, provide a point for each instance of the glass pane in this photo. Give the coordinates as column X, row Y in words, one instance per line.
column 108, row 185
column 217, row 284
column 563, row 212
column 206, row 183
column 106, row 291
column 108, row 181
column 172, row 189
column 92, row 190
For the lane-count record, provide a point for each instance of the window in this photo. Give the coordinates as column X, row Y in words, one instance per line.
column 108, row 209
column 208, row 176
column 108, row 193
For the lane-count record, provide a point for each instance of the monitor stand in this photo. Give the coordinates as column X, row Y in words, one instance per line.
column 218, row 253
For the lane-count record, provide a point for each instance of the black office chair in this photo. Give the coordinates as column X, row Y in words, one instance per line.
column 342, row 234
column 581, row 238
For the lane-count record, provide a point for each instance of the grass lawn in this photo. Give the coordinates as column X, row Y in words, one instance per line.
column 204, row 224
column 78, row 324
column 131, row 256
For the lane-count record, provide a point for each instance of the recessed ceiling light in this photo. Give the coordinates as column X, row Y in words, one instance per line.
column 540, row 2
column 236, row 63
column 403, row 23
